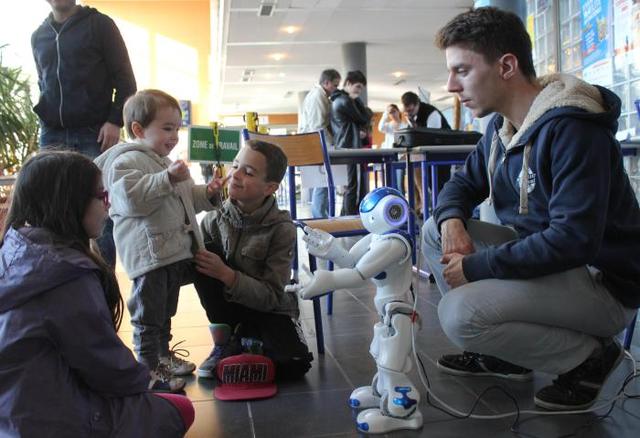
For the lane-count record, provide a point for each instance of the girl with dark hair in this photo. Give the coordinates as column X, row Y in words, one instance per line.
column 63, row 369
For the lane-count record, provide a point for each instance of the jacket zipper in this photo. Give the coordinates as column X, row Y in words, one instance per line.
column 58, row 71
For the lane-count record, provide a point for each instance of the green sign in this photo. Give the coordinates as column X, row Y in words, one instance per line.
column 202, row 147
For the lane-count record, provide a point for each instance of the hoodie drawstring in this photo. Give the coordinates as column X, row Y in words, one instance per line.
column 523, row 207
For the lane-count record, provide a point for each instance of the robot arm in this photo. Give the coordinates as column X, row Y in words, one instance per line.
column 383, row 255
column 322, row 281
column 323, row 245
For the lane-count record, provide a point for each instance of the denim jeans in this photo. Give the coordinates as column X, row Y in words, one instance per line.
column 85, row 141
column 152, row 304
column 550, row 323
column 320, row 202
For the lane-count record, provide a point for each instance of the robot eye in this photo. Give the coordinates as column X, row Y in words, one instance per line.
column 395, row 212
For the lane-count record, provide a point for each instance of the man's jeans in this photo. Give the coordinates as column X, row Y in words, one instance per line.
column 320, row 202
column 551, row 323
column 85, row 141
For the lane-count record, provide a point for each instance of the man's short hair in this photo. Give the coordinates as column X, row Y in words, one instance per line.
column 275, row 158
column 329, row 75
column 492, row 33
column 355, row 77
column 410, row 98
column 143, row 106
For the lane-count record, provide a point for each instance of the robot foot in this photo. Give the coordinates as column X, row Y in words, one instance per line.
column 373, row 421
column 363, row 397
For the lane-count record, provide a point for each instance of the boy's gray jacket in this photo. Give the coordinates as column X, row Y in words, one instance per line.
column 259, row 246
column 154, row 220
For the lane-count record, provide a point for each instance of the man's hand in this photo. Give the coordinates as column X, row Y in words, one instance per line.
column 178, row 171
column 108, row 136
column 453, row 273
column 211, row 264
column 455, row 238
column 215, row 186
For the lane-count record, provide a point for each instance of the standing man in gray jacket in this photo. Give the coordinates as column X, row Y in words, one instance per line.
column 84, row 76
column 315, row 114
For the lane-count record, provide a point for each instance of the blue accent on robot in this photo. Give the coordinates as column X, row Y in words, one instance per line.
column 371, row 200
column 403, row 401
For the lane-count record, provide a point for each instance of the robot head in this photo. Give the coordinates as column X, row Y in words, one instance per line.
column 384, row 209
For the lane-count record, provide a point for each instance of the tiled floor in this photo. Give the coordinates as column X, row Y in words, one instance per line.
column 317, row 405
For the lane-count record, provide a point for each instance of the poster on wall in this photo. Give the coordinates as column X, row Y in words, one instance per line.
column 595, row 30
column 599, row 73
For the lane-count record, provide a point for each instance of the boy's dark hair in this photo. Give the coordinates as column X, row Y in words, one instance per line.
column 355, row 77
column 275, row 158
column 143, row 106
column 53, row 191
column 492, row 33
column 329, row 75
column 410, row 98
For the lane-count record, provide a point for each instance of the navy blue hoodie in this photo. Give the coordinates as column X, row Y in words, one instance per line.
column 79, row 68
column 576, row 206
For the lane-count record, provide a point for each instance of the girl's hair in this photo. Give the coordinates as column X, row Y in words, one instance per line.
column 53, row 191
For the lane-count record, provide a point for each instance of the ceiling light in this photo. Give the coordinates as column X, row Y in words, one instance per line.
column 282, row 75
column 290, row 29
column 277, row 56
column 398, row 74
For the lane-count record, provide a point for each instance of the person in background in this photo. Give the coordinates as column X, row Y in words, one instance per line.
column 349, row 122
column 63, row 369
column 315, row 114
column 551, row 286
column 246, row 265
column 392, row 120
column 154, row 204
column 424, row 115
column 84, row 77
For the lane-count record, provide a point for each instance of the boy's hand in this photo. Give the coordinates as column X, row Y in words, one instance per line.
column 178, row 172
column 212, row 265
column 216, row 185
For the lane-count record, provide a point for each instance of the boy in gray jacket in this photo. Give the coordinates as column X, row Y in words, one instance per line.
column 247, row 263
column 153, row 207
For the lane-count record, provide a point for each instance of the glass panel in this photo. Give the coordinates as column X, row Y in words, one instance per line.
column 634, row 64
column 620, row 68
column 622, row 91
column 565, row 34
column 634, row 95
column 564, row 10
column 576, row 29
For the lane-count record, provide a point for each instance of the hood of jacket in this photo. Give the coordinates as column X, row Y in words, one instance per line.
column 265, row 216
column 106, row 159
column 33, row 261
column 561, row 96
column 81, row 13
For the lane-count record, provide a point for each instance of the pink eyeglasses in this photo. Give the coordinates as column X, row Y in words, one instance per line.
column 103, row 196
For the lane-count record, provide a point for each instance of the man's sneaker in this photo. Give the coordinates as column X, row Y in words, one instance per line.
column 163, row 381
column 475, row 364
column 176, row 365
column 579, row 388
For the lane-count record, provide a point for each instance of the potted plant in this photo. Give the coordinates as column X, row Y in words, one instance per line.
column 18, row 128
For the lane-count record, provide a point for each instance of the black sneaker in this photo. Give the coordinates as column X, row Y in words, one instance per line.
column 475, row 364
column 579, row 388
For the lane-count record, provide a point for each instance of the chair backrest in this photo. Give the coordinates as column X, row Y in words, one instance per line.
column 308, row 149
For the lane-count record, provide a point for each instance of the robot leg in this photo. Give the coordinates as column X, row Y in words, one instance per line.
column 398, row 407
column 369, row 396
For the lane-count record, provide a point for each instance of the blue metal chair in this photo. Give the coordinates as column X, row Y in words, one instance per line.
column 310, row 149
column 628, row 334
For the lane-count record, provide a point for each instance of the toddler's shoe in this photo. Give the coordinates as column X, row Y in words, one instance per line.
column 176, row 365
column 163, row 381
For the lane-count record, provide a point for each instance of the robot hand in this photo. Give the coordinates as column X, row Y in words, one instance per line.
column 319, row 243
column 313, row 287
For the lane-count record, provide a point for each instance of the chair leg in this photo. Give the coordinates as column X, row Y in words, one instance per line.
column 330, row 296
column 628, row 335
column 317, row 312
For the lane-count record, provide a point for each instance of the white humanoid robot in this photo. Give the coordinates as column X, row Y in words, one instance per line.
column 384, row 257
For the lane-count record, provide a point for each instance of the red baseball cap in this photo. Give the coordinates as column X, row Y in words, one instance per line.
column 245, row 377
